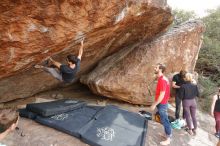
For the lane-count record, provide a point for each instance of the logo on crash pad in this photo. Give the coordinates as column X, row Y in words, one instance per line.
column 60, row 117
column 70, row 101
column 106, row 133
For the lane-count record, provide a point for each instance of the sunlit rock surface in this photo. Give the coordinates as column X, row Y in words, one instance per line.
column 128, row 75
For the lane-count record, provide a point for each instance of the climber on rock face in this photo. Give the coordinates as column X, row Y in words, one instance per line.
column 65, row 72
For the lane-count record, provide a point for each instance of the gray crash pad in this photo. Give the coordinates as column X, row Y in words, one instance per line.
column 70, row 122
column 115, row 127
column 96, row 126
column 46, row 109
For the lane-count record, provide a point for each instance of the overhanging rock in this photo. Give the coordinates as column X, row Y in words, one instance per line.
column 32, row 31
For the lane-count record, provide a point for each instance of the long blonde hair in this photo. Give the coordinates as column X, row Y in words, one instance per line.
column 188, row 77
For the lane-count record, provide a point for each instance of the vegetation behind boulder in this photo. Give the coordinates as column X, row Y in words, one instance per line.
column 208, row 64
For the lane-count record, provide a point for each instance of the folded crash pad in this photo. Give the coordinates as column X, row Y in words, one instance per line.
column 46, row 109
column 27, row 114
column 70, row 122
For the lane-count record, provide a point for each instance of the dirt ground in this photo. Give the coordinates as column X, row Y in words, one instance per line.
column 31, row 133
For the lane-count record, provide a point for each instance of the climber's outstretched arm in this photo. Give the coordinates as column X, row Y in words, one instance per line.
column 81, row 50
column 57, row 64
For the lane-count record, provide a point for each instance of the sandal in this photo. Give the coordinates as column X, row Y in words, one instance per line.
column 194, row 132
column 189, row 131
column 217, row 135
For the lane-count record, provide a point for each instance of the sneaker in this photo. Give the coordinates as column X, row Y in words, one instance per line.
column 38, row 66
column 45, row 63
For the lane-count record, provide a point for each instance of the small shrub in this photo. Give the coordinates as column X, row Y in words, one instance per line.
column 207, row 90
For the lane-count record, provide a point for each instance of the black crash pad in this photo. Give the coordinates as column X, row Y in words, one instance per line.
column 115, row 127
column 70, row 122
column 46, row 109
column 27, row 114
column 96, row 126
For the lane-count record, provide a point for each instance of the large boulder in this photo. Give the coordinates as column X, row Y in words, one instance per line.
column 128, row 75
column 7, row 118
column 32, row 31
